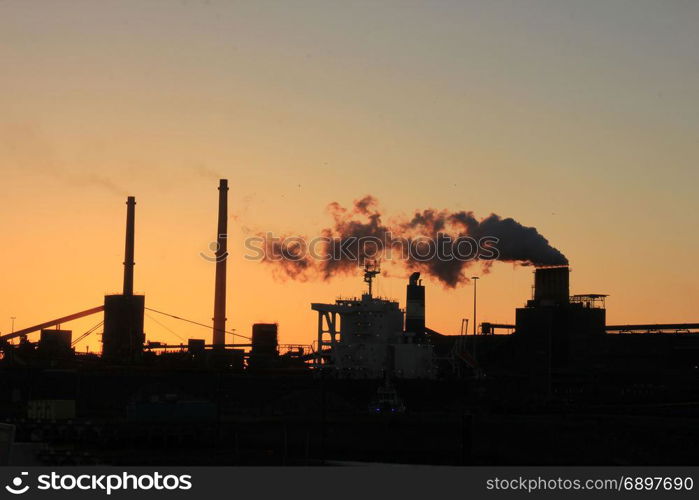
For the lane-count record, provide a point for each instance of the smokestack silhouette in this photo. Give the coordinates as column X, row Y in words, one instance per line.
column 438, row 243
column 221, row 256
column 129, row 250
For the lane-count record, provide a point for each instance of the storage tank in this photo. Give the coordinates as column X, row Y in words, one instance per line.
column 196, row 345
column 55, row 339
column 264, row 338
column 56, row 343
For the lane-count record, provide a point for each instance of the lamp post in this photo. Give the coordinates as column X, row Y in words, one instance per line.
column 475, row 288
column 13, row 318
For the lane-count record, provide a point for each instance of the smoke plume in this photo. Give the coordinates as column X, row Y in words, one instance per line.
column 439, row 243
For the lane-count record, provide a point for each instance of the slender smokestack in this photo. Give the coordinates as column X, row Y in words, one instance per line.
column 221, row 256
column 128, row 252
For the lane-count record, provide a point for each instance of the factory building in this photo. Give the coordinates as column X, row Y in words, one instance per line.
column 554, row 332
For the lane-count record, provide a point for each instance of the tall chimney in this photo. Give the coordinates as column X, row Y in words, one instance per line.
column 221, row 256
column 128, row 252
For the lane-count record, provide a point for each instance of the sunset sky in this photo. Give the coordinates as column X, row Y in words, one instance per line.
column 578, row 118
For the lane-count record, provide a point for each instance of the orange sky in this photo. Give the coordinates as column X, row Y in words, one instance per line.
column 577, row 119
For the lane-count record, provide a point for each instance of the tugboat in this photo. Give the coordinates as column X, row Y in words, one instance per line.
column 387, row 399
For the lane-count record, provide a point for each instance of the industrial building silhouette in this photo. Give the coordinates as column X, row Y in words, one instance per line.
column 378, row 384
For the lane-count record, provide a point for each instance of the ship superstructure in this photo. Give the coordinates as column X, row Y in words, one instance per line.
column 365, row 338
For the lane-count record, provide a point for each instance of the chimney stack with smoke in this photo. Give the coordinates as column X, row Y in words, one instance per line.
column 441, row 244
column 551, row 285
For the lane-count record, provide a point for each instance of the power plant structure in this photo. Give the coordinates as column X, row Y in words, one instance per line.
column 221, row 402
column 123, row 337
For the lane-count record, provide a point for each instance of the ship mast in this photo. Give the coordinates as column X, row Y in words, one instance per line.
column 371, row 269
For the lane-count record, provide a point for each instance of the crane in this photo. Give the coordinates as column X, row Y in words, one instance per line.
column 47, row 324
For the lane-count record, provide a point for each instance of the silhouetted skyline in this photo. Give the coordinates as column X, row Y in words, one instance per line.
column 575, row 118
